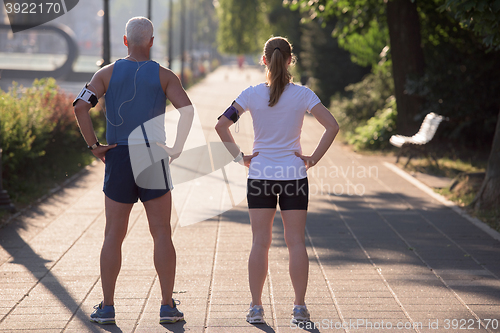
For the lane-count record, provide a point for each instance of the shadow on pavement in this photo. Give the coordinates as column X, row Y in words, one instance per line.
column 428, row 239
column 177, row 327
column 264, row 327
column 23, row 254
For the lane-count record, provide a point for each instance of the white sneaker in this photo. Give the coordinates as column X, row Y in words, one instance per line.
column 255, row 314
column 300, row 314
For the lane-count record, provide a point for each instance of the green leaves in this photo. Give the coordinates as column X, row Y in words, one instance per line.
column 242, row 26
column 481, row 16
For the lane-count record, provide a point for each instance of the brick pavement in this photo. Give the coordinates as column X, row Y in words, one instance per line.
column 382, row 253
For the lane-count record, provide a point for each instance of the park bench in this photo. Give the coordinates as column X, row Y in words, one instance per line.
column 417, row 144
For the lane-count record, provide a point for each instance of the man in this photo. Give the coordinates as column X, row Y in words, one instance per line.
column 136, row 90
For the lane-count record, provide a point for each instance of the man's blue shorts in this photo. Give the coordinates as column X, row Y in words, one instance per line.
column 119, row 181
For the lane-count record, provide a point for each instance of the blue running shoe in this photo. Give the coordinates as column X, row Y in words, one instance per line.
column 170, row 315
column 103, row 314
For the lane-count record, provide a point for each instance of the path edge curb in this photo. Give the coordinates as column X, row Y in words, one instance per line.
column 417, row 183
column 51, row 192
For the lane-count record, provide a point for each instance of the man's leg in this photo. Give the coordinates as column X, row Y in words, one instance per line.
column 117, row 215
column 158, row 212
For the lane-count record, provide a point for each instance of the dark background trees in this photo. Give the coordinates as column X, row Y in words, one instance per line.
column 441, row 56
column 483, row 17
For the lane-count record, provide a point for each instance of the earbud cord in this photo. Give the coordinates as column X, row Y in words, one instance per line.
column 130, row 100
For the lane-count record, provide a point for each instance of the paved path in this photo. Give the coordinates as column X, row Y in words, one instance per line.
column 382, row 253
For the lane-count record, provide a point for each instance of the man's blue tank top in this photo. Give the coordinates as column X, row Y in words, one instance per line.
column 149, row 100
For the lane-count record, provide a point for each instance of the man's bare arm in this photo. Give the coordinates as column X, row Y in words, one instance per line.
column 98, row 85
column 180, row 100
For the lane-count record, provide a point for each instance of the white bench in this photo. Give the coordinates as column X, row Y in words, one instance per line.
column 416, row 142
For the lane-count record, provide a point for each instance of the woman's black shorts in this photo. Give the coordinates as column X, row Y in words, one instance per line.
column 291, row 194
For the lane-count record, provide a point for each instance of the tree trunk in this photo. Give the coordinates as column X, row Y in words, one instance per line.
column 407, row 60
column 488, row 196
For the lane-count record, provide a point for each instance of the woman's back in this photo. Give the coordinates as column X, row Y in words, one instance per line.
column 277, row 129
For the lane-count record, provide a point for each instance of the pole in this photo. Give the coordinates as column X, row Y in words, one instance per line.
column 183, row 51
column 192, row 33
column 170, row 33
column 4, row 196
column 106, row 45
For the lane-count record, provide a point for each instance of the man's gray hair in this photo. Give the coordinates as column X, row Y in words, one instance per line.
column 139, row 31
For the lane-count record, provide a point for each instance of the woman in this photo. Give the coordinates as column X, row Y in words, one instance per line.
column 277, row 169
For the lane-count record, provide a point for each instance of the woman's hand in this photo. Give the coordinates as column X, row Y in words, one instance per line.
column 101, row 150
column 308, row 160
column 247, row 159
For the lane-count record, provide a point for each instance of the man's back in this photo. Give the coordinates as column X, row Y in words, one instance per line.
column 134, row 96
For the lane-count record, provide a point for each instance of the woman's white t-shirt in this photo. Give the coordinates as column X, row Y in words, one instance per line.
column 277, row 130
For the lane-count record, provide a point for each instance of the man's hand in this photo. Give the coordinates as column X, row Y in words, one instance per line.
column 100, row 151
column 309, row 162
column 170, row 152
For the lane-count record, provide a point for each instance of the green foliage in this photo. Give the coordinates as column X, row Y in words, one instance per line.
column 25, row 125
column 352, row 16
column 366, row 48
column 329, row 66
column 364, row 98
column 360, row 26
column 481, row 16
column 40, row 139
column 378, row 129
column 242, row 26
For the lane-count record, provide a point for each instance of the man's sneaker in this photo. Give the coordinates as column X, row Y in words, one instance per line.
column 103, row 314
column 300, row 314
column 170, row 315
column 255, row 314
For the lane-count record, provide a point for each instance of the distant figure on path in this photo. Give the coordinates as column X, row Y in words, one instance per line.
column 277, row 169
column 136, row 89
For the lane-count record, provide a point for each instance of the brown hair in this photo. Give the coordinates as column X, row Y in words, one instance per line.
column 277, row 52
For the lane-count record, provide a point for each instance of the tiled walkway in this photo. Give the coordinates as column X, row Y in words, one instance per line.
column 384, row 255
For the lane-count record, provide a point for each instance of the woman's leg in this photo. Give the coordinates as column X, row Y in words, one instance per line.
column 262, row 224
column 294, row 222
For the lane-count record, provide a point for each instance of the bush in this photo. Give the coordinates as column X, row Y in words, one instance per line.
column 40, row 138
column 378, row 129
column 365, row 98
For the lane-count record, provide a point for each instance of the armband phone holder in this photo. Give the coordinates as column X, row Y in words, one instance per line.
column 86, row 95
column 231, row 113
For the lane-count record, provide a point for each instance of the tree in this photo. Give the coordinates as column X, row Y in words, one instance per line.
column 483, row 18
column 402, row 20
column 407, row 59
column 326, row 62
column 241, row 26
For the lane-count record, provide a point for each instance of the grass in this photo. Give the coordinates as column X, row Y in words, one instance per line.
column 448, row 167
column 35, row 185
column 463, row 192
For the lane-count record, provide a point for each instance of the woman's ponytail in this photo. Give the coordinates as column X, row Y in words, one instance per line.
column 277, row 52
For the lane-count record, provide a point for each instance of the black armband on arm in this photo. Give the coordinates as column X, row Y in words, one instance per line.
column 88, row 96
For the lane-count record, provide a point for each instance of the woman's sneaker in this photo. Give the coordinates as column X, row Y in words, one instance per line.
column 170, row 315
column 255, row 314
column 103, row 314
column 300, row 314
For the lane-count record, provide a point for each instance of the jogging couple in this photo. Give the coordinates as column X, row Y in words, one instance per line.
column 135, row 90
